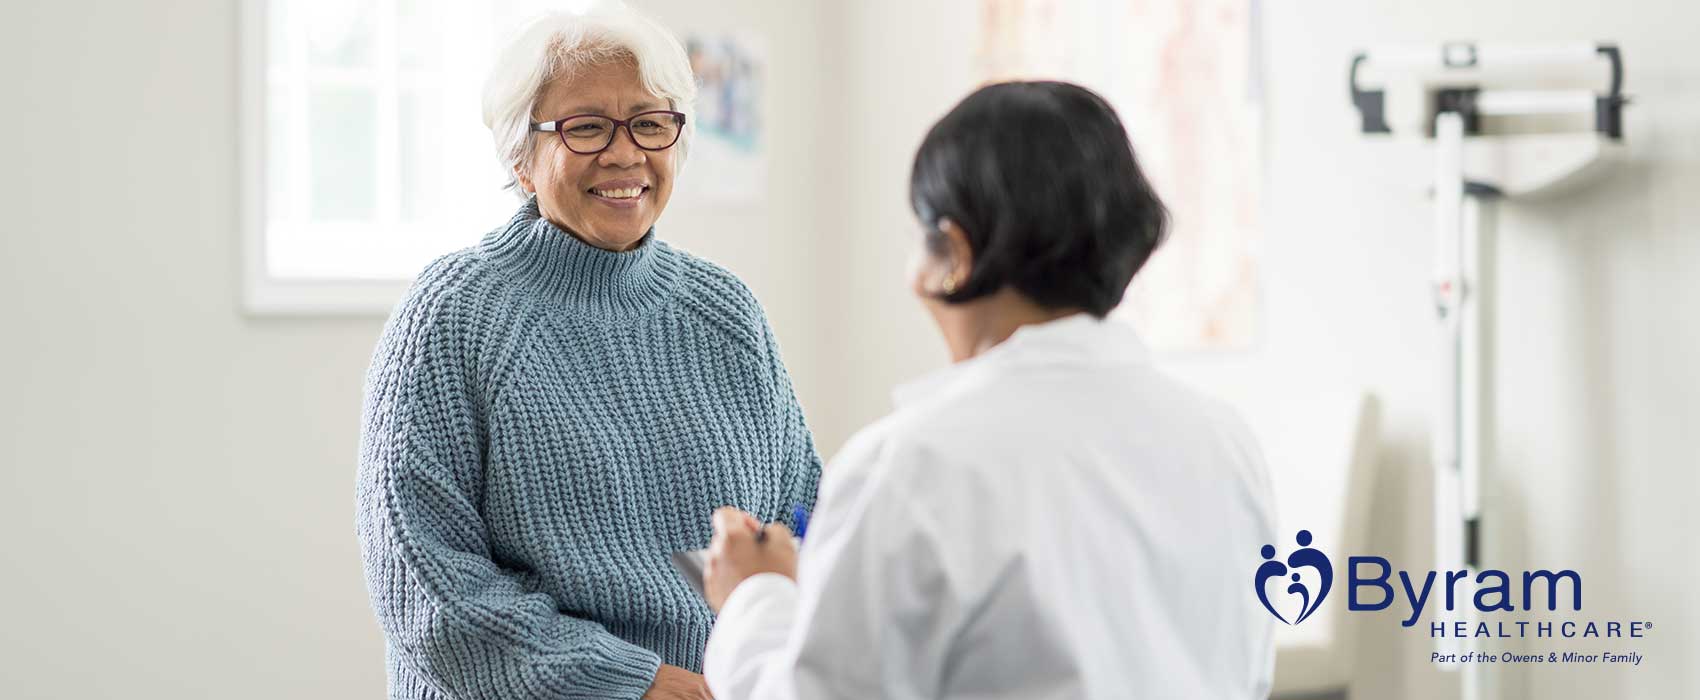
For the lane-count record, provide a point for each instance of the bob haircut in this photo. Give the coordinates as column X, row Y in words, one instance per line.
column 1042, row 179
column 560, row 45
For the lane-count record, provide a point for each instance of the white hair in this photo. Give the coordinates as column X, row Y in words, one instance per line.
column 560, row 44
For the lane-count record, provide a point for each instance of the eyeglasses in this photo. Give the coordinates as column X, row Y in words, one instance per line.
column 586, row 134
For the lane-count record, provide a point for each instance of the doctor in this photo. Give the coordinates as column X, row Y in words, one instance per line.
column 1049, row 516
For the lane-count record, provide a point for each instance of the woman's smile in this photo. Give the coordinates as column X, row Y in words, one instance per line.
column 627, row 193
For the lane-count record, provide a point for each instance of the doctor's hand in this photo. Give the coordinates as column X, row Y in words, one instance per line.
column 735, row 555
column 674, row 683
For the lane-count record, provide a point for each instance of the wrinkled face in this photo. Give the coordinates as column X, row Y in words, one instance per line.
column 608, row 199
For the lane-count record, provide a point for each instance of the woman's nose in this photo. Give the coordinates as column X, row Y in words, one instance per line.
column 623, row 152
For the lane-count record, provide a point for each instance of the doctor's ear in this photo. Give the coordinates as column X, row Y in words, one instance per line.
column 950, row 245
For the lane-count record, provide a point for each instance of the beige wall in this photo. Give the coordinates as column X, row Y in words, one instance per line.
column 176, row 483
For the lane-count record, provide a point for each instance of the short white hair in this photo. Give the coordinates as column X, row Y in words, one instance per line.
column 560, row 44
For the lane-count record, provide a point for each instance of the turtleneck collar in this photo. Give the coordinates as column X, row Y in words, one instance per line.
column 580, row 276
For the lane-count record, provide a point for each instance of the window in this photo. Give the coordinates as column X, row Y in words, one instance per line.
column 364, row 152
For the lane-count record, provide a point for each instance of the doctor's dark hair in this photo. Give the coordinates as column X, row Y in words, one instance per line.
column 1042, row 179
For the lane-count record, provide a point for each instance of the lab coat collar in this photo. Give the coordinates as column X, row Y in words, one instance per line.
column 1080, row 339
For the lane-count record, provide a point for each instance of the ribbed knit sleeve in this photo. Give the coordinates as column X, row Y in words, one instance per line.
column 464, row 625
column 802, row 463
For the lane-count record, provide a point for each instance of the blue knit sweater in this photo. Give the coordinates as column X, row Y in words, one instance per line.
column 545, row 422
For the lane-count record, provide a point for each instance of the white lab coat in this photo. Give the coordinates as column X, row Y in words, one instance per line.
column 1051, row 519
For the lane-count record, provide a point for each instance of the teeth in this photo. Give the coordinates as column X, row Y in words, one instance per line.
column 626, row 193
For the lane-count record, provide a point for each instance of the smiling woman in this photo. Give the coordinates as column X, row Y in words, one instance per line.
column 554, row 411
column 592, row 76
column 606, row 189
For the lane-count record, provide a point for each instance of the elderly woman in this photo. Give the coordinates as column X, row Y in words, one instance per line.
column 552, row 412
column 1050, row 516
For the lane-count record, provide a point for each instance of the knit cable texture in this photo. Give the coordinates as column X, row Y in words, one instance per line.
column 544, row 423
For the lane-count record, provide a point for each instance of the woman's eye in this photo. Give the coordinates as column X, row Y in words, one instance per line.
column 585, row 130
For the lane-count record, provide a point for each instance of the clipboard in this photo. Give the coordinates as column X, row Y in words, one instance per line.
column 691, row 566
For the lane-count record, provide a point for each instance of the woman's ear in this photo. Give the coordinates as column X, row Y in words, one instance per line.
column 959, row 255
column 524, row 180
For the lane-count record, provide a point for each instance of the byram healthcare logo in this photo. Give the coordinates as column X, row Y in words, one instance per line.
column 1303, row 557
column 1372, row 584
column 1495, row 588
column 1456, row 612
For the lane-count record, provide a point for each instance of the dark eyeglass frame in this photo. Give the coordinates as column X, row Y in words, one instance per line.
column 557, row 127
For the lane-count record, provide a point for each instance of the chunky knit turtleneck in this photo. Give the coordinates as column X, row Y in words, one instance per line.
column 545, row 422
column 589, row 280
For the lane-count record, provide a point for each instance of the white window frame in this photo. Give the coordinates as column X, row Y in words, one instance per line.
column 262, row 292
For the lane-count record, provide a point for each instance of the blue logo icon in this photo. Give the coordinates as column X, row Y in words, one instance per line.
column 1273, row 568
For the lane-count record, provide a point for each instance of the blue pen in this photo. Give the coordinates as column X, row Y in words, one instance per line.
column 798, row 516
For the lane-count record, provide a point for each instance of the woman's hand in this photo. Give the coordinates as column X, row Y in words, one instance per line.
column 674, row 683
column 735, row 554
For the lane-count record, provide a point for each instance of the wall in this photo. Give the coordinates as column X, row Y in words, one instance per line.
column 177, row 479
column 906, row 64
column 1594, row 389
